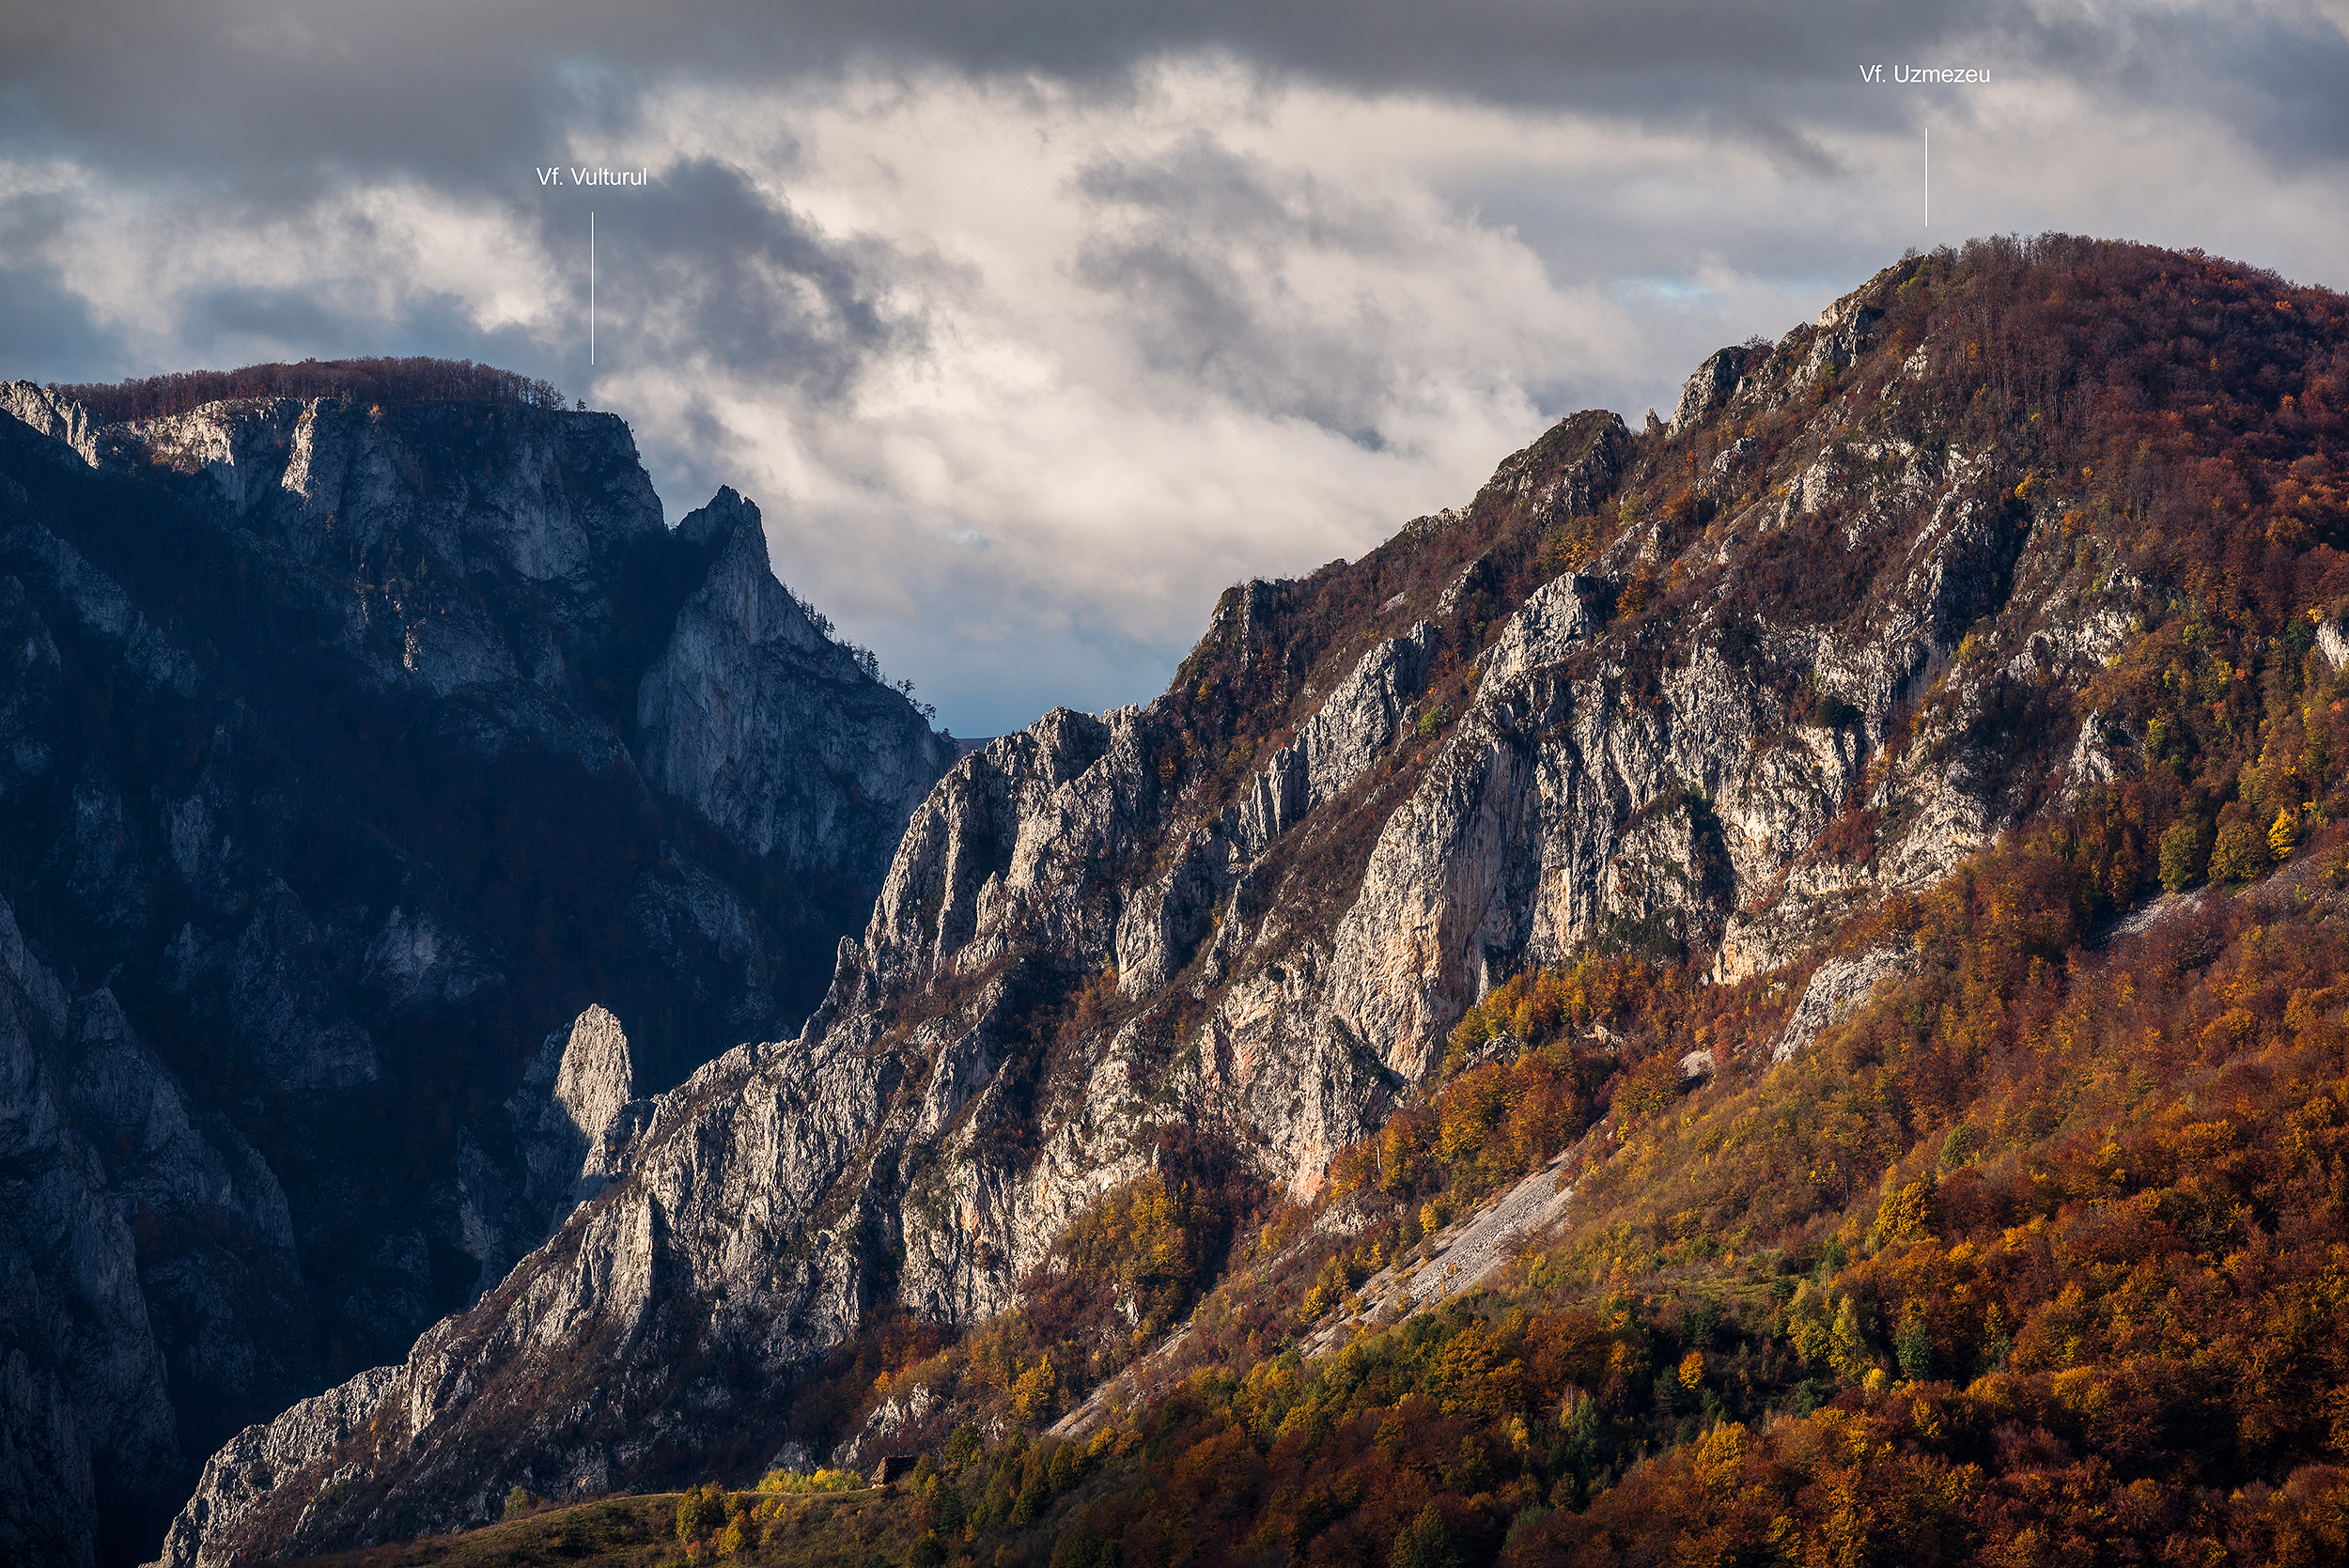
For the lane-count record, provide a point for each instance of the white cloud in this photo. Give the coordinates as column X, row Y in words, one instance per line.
column 146, row 258
column 1156, row 343
column 1024, row 373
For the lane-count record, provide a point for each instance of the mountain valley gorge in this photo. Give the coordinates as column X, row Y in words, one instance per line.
column 501, row 1010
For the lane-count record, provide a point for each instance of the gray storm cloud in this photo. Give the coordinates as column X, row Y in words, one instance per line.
column 439, row 84
column 1033, row 326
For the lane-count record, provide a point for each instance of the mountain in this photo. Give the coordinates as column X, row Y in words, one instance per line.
column 389, row 803
column 1632, row 773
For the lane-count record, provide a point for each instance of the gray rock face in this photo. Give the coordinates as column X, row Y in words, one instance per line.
column 148, row 1256
column 567, row 1128
column 1713, row 384
column 770, row 729
column 318, row 742
column 708, row 1240
column 81, row 1382
column 245, row 1471
column 1835, row 987
column 363, row 551
column 414, row 508
column 56, row 417
column 576, row 1112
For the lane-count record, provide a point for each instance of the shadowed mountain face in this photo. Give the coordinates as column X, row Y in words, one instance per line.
column 346, row 756
column 1706, row 694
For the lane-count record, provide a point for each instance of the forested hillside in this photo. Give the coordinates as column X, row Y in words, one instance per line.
column 2039, row 1254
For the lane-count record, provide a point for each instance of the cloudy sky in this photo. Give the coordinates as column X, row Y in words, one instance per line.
column 1031, row 328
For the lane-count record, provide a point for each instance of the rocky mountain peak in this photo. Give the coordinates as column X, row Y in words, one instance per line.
column 54, row 415
column 712, row 526
column 326, row 802
column 575, row 1113
column 743, row 597
column 782, row 737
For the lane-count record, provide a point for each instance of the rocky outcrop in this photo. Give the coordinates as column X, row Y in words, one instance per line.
column 1836, row 988
column 736, row 1240
column 1712, row 384
column 244, row 1473
column 150, row 1257
column 410, row 512
column 319, row 744
column 576, row 1112
column 772, row 730
column 56, row 417
column 81, row 1384
column 565, row 1131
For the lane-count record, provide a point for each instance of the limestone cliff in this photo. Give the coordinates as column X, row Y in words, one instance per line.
column 150, row 1259
column 322, row 801
column 769, row 727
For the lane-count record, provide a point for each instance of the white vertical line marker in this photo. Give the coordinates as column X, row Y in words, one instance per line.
column 591, row 289
column 1928, row 177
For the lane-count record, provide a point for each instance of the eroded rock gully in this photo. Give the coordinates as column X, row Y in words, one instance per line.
column 1618, row 702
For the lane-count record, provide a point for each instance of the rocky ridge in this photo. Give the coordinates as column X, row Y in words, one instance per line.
column 771, row 730
column 323, row 799
column 1703, row 693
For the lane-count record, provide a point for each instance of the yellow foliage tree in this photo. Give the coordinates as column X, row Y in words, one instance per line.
column 2236, row 856
column 1033, row 1393
column 1908, row 1213
column 736, row 1536
column 2283, row 835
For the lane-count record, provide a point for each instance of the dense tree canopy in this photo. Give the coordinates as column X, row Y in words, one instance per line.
column 371, row 381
